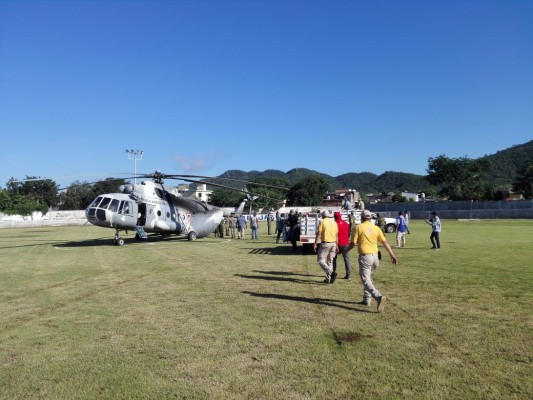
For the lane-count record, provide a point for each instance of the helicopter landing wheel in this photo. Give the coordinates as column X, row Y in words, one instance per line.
column 118, row 240
column 191, row 236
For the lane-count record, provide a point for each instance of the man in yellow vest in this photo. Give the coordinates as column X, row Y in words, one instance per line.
column 327, row 242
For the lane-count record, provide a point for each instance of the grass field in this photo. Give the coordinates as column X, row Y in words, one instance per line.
column 236, row 319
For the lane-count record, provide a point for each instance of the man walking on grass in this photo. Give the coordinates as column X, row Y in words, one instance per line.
column 344, row 242
column 366, row 237
column 326, row 240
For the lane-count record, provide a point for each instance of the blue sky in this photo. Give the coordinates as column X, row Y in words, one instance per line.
column 207, row 86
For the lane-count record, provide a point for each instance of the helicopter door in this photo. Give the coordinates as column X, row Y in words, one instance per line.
column 141, row 216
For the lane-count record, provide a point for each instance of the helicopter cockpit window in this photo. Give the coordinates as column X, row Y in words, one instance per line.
column 114, row 205
column 105, row 202
column 96, row 201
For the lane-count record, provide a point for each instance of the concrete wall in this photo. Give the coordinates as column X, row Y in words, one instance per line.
column 52, row 218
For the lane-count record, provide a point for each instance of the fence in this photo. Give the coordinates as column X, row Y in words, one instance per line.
column 459, row 209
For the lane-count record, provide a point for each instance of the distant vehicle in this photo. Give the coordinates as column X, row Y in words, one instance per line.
column 390, row 223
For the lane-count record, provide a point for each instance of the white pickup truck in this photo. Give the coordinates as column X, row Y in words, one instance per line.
column 309, row 223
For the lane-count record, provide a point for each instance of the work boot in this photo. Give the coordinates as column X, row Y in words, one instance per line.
column 382, row 300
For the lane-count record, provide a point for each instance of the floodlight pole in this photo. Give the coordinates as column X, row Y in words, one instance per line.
column 135, row 155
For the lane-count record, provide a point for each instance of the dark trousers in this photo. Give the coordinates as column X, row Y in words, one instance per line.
column 347, row 263
column 435, row 241
column 293, row 237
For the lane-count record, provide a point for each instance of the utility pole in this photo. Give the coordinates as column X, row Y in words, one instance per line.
column 135, row 155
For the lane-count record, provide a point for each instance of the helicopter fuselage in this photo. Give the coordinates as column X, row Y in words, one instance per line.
column 149, row 207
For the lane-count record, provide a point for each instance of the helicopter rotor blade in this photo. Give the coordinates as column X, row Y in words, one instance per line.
column 53, row 178
column 179, row 176
column 184, row 177
column 246, row 192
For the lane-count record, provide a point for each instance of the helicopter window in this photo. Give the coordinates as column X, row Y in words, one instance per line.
column 105, row 202
column 158, row 213
column 96, row 201
column 159, row 193
column 168, row 214
column 114, row 205
column 124, row 207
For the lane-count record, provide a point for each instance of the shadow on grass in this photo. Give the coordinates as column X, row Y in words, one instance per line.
column 34, row 244
column 109, row 241
column 282, row 279
column 285, row 273
column 277, row 251
column 32, row 233
column 313, row 300
column 85, row 243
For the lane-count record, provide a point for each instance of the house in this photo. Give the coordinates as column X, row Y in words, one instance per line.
column 410, row 196
column 337, row 198
column 195, row 190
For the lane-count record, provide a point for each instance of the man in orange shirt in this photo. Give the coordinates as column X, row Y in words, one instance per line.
column 366, row 237
column 327, row 238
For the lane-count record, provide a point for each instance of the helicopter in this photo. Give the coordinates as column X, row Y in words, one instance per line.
column 149, row 207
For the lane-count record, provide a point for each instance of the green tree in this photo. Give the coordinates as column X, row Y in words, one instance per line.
column 429, row 192
column 271, row 191
column 109, row 185
column 524, row 182
column 25, row 205
column 398, row 198
column 43, row 191
column 5, row 200
column 78, row 196
column 13, row 186
column 226, row 198
column 308, row 192
column 30, row 194
column 460, row 178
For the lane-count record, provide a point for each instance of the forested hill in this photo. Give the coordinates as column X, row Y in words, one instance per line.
column 504, row 167
column 363, row 181
column 506, row 163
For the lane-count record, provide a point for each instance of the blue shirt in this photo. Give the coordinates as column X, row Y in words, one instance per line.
column 241, row 222
column 400, row 223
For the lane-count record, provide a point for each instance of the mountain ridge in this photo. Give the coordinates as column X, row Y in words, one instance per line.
column 503, row 171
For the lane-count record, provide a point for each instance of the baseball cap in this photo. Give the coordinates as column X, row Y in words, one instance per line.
column 325, row 213
column 366, row 214
column 337, row 215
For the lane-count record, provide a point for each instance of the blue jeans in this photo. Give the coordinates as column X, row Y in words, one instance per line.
column 254, row 233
